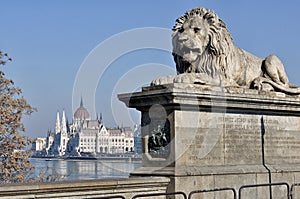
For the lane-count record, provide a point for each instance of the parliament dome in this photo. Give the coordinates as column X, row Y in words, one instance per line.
column 81, row 112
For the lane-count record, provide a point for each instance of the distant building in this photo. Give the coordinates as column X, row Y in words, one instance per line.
column 137, row 139
column 85, row 135
column 38, row 144
column 57, row 141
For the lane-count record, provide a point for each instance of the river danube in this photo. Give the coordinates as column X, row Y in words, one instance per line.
column 84, row 169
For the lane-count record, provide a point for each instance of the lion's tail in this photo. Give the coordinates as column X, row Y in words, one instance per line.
column 292, row 89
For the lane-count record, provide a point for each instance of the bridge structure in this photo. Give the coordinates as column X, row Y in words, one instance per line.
column 133, row 188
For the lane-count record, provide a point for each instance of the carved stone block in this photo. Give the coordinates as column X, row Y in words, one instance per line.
column 236, row 136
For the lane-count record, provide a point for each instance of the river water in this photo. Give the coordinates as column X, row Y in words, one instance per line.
column 83, row 169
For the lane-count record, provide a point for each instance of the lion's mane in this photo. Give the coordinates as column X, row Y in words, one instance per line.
column 204, row 53
column 218, row 56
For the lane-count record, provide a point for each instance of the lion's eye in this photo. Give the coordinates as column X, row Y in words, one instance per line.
column 196, row 29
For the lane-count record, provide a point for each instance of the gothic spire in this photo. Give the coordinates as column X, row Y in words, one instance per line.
column 57, row 125
column 81, row 102
column 63, row 123
column 101, row 121
column 68, row 126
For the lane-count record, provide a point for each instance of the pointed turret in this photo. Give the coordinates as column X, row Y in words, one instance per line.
column 68, row 126
column 63, row 123
column 57, row 125
column 101, row 121
column 81, row 102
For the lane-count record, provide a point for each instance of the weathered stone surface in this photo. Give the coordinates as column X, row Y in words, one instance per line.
column 220, row 128
column 87, row 189
column 204, row 53
column 225, row 138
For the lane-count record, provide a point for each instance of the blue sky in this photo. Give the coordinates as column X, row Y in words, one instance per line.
column 50, row 39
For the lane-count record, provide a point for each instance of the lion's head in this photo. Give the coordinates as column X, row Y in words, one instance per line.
column 201, row 43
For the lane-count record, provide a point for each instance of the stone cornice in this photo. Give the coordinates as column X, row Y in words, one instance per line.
column 216, row 99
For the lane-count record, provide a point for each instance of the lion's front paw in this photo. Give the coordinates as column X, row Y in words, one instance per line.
column 187, row 78
column 196, row 78
column 163, row 80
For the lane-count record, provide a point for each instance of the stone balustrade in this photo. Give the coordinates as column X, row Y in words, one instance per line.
column 86, row 189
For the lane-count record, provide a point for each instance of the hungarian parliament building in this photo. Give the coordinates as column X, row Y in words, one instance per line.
column 86, row 136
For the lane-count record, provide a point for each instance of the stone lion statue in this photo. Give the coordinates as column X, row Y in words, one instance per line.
column 205, row 53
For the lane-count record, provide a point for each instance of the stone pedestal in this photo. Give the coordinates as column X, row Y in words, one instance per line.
column 209, row 137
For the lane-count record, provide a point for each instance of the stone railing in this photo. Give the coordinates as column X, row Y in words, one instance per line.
column 87, row 189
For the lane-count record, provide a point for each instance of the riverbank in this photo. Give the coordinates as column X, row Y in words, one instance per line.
column 74, row 169
column 107, row 158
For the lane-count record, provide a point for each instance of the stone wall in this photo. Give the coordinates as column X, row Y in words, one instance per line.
column 219, row 137
column 86, row 189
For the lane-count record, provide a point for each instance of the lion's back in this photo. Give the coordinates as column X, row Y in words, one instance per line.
column 251, row 65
